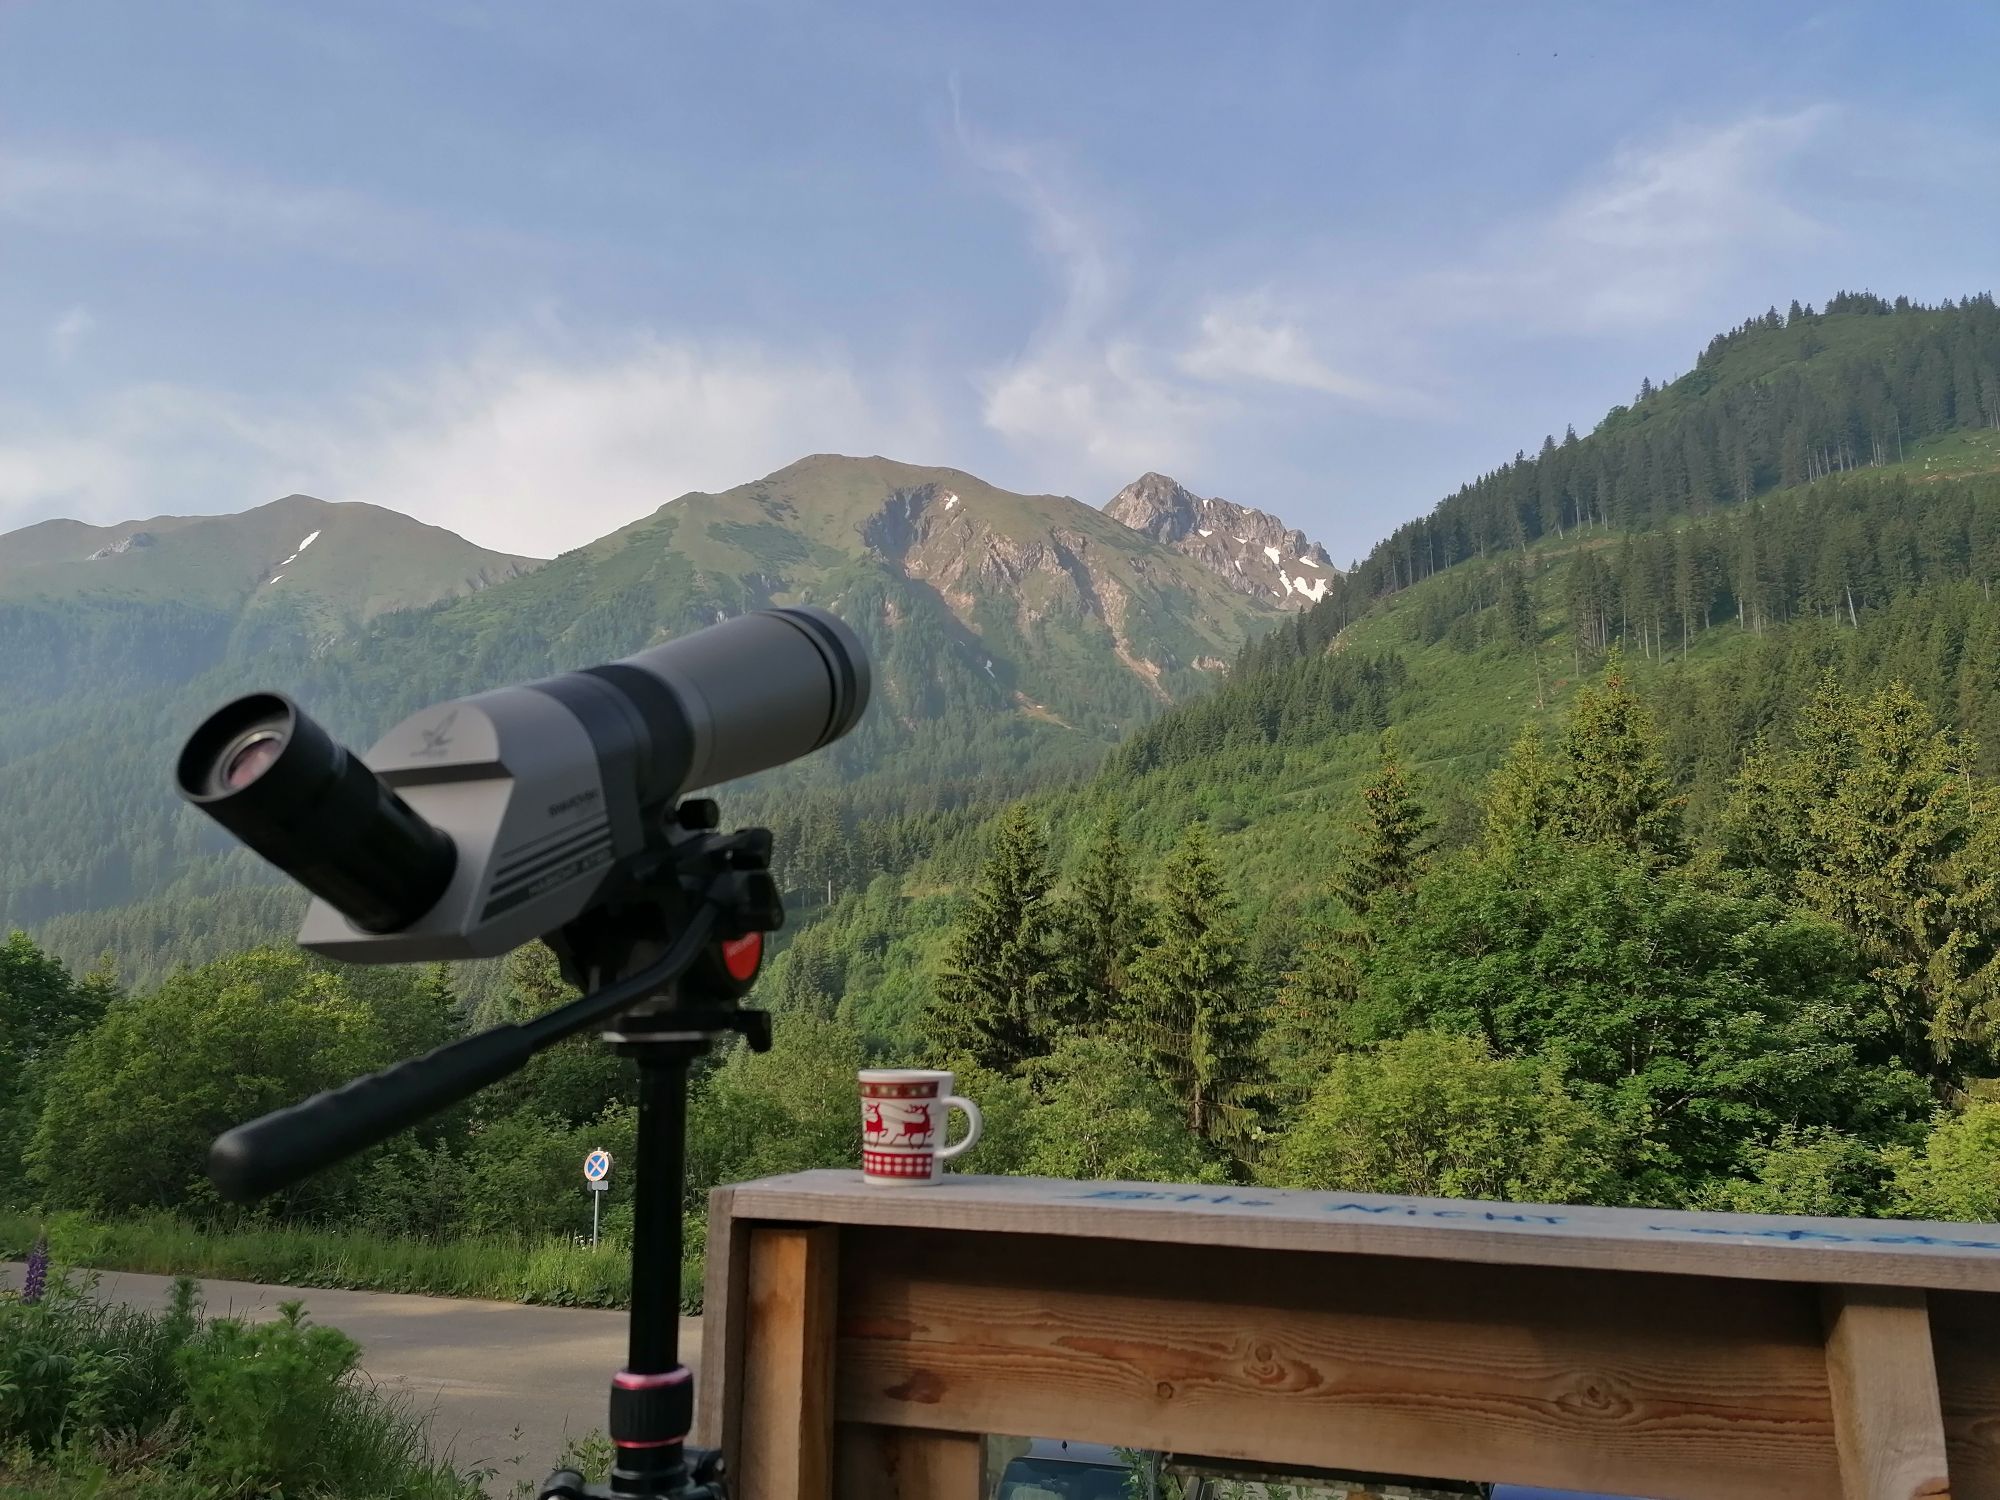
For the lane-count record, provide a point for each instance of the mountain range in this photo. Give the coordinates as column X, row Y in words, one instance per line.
column 1018, row 638
column 1013, row 635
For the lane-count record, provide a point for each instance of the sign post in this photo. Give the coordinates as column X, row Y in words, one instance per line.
column 597, row 1173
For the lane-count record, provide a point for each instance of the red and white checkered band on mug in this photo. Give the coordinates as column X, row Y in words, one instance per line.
column 923, row 1088
column 896, row 1163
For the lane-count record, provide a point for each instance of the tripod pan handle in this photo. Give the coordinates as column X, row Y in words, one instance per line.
column 277, row 1150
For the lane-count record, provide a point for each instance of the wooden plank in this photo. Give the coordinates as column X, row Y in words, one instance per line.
column 718, row 1382
column 1887, row 1425
column 1663, row 1386
column 785, row 1439
column 1965, row 1341
column 1847, row 1252
column 888, row 1463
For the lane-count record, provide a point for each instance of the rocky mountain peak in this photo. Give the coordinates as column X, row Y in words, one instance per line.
column 1253, row 551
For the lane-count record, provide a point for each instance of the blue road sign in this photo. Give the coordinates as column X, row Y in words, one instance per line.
column 597, row 1166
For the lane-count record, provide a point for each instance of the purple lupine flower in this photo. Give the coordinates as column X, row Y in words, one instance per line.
column 38, row 1270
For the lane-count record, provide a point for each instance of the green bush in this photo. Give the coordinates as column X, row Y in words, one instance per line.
column 71, row 1366
column 1806, row 1170
column 98, row 1399
column 1438, row 1115
column 1956, row 1175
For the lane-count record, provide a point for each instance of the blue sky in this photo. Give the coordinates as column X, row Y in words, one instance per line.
column 530, row 270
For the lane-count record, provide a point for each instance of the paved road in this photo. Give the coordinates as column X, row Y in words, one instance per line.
column 502, row 1384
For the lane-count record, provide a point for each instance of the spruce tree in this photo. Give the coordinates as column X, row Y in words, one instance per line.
column 1906, row 854
column 1191, row 1002
column 1102, row 924
column 1523, row 797
column 1001, row 968
column 1517, row 609
column 1389, row 846
column 1611, row 777
column 1767, row 825
column 1306, row 1023
column 808, row 985
column 531, row 985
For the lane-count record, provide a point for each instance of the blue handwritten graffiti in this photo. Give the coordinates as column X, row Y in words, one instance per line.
column 1824, row 1236
column 1489, row 1216
column 1155, row 1195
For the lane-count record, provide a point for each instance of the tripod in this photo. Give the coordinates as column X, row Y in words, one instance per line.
column 664, row 956
column 652, row 1398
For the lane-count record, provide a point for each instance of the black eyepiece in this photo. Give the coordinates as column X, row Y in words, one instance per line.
column 266, row 772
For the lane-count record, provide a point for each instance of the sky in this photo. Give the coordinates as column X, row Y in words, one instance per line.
column 529, row 271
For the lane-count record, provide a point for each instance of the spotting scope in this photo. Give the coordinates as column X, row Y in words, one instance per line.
column 557, row 810
column 480, row 824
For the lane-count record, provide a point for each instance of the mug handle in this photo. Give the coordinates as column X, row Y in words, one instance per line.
column 972, row 1126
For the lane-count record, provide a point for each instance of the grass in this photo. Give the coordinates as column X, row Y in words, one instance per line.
column 102, row 1400
column 549, row 1272
column 1954, row 455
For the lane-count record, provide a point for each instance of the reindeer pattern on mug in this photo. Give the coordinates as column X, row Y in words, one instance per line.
column 899, row 1128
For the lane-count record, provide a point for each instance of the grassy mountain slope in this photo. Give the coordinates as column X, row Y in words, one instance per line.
column 1046, row 597
column 335, row 560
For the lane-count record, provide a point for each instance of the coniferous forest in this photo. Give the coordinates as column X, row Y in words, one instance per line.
column 1627, row 830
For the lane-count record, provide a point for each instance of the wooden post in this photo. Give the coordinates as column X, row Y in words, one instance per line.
column 896, row 1463
column 785, row 1438
column 1887, row 1422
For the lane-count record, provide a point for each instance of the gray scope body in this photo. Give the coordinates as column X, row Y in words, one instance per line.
column 479, row 824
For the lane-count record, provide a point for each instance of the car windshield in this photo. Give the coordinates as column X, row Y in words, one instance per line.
column 1042, row 1479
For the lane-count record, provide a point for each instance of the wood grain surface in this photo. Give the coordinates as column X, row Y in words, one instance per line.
column 1667, row 1386
column 719, row 1381
column 885, row 1463
column 785, row 1439
column 1965, row 1341
column 1848, row 1252
column 1887, row 1426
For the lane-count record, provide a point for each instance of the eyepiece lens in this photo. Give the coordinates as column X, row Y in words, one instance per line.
column 250, row 758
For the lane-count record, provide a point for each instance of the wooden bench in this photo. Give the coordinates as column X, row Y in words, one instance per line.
column 859, row 1341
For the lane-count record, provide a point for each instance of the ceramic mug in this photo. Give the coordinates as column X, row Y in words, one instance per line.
column 902, row 1125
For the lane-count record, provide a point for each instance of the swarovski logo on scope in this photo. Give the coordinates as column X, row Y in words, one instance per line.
column 437, row 738
column 571, row 804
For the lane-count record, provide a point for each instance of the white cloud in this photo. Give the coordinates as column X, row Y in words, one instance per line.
column 67, row 333
column 1247, row 338
column 138, row 451
column 140, row 190
column 518, row 447
column 540, row 455
column 1101, row 391
column 1639, row 244
column 1083, row 400
column 1096, row 412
